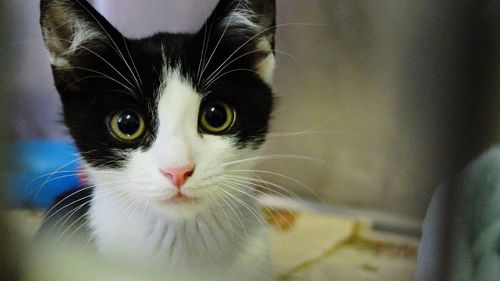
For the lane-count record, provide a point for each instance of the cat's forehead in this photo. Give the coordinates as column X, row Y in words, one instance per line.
column 177, row 97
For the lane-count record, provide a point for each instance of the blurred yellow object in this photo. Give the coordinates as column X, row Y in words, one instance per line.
column 316, row 246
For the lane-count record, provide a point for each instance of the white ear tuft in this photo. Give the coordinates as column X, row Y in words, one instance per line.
column 68, row 27
column 61, row 48
column 241, row 18
column 84, row 33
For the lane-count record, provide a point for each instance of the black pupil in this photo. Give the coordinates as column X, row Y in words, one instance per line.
column 216, row 115
column 128, row 123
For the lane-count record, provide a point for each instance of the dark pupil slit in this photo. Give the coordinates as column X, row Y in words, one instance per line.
column 128, row 123
column 216, row 116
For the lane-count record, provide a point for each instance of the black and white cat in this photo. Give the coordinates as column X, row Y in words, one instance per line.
column 168, row 128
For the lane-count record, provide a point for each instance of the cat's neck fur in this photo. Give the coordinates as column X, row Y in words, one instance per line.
column 226, row 234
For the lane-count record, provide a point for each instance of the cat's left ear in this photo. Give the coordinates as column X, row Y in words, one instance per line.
column 247, row 27
column 73, row 28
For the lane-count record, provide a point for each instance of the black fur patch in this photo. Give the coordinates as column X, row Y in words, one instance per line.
column 101, row 76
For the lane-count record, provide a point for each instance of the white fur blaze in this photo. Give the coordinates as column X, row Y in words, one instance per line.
column 178, row 108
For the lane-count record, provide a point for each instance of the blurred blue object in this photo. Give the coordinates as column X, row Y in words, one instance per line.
column 39, row 170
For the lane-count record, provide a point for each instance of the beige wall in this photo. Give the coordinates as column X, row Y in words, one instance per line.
column 382, row 74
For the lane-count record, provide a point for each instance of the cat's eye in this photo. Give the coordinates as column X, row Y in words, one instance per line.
column 127, row 125
column 216, row 117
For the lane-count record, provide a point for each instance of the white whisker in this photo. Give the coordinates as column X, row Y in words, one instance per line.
column 225, row 73
column 274, row 156
column 116, row 48
column 239, row 217
column 249, row 182
column 259, row 34
column 220, row 39
column 255, row 213
column 103, row 75
column 133, row 63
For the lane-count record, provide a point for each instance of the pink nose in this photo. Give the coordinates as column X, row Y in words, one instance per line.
column 178, row 176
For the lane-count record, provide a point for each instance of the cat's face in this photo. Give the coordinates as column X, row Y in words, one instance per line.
column 174, row 120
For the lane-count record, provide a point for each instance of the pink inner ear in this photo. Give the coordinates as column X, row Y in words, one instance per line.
column 178, row 176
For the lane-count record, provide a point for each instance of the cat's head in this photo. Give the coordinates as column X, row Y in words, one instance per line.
column 172, row 120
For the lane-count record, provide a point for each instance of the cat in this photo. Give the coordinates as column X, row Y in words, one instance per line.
column 168, row 128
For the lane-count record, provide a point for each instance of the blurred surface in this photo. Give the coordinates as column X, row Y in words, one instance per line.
column 306, row 245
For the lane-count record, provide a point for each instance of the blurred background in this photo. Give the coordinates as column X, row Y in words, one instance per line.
column 394, row 96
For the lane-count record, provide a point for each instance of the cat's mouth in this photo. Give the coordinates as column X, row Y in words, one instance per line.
column 181, row 198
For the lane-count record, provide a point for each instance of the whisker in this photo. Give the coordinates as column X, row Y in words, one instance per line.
column 213, row 197
column 65, row 174
column 202, row 55
column 78, row 200
column 101, row 58
column 254, row 197
column 274, row 156
column 104, row 76
column 70, row 237
column 224, row 66
column 215, row 74
column 83, row 79
column 262, row 32
column 131, row 206
column 221, row 37
column 62, row 234
column 308, row 188
column 255, row 213
column 74, row 211
column 228, row 72
column 279, row 175
column 72, row 171
column 251, row 182
column 311, row 129
column 133, row 63
column 58, row 169
column 39, row 189
column 51, row 175
column 239, row 217
column 117, row 49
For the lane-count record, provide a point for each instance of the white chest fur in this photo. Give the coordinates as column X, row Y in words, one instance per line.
column 217, row 244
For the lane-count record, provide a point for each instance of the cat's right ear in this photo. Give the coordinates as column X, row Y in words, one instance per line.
column 246, row 28
column 71, row 28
